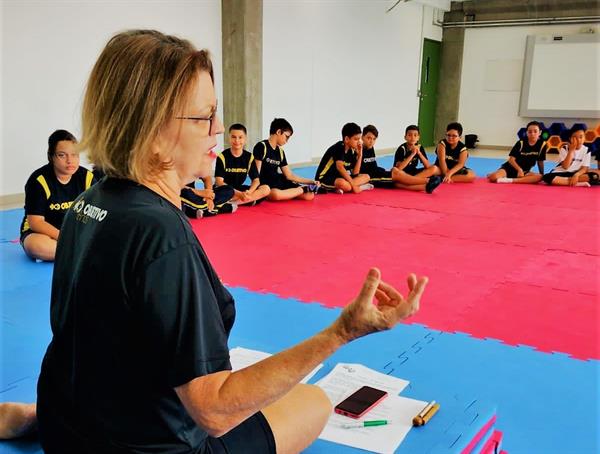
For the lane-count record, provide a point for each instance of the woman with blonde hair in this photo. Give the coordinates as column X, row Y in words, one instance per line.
column 139, row 360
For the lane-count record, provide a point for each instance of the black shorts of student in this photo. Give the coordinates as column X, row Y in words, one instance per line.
column 549, row 177
column 511, row 172
column 279, row 181
column 192, row 202
column 380, row 178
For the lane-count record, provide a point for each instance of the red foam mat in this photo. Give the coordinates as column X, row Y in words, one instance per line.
column 496, row 256
column 548, row 319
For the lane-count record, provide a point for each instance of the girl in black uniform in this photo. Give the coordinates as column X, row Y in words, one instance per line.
column 49, row 193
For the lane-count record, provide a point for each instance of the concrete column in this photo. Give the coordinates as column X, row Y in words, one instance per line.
column 241, row 24
column 453, row 40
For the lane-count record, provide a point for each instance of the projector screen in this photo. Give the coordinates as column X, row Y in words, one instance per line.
column 561, row 77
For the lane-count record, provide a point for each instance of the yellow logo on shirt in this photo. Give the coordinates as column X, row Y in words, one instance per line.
column 61, row 206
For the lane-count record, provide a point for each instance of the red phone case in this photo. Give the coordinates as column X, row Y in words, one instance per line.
column 340, row 411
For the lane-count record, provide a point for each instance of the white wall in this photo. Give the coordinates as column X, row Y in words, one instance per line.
column 330, row 62
column 48, row 49
column 491, row 81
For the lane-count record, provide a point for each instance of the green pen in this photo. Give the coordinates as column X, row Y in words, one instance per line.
column 378, row 422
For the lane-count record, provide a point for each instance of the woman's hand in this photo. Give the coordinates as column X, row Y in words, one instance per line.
column 362, row 316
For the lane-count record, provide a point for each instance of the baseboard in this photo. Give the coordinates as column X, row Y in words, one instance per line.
column 9, row 201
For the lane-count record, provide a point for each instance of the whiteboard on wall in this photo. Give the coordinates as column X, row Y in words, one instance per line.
column 561, row 77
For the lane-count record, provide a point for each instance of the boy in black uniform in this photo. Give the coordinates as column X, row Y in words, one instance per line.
column 339, row 169
column 406, row 172
column 522, row 158
column 273, row 166
column 452, row 156
column 378, row 176
column 199, row 203
column 49, row 193
column 235, row 164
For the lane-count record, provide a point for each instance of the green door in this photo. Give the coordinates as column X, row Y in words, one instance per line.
column 430, row 71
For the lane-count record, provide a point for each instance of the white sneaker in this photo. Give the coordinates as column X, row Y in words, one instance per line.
column 504, row 180
column 583, row 184
column 366, row 187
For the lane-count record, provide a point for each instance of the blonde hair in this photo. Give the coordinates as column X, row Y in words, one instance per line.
column 140, row 81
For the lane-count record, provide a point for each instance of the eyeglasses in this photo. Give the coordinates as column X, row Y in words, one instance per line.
column 450, row 136
column 210, row 119
column 287, row 136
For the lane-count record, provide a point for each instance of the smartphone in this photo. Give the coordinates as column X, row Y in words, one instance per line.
column 360, row 402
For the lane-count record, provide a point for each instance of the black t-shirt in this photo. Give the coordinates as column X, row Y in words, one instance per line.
column 234, row 169
column 136, row 310
column 327, row 171
column 369, row 162
column 403, row 152
column 452, row 154
column 46, row 196
column 527, row 155
column 273, row 159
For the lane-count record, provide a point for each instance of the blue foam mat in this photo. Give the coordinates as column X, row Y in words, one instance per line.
column 545, row 390
column 535, row 394
column 546, row 403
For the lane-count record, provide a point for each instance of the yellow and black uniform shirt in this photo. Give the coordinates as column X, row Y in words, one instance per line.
column 273, row 159
column 452, row 154
column 527, row 155
column 327, row 171
column 234, row 170
column 403, row 152
column 369, row 162
column 48, row 197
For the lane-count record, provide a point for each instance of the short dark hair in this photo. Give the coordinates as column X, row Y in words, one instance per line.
column 280, row 124
column 534, row 123
column 412, row 128
column 370, row 129
column 350, row 129
column 576, row 128
column 238, row 127
column 456, row 126
column 58, row 136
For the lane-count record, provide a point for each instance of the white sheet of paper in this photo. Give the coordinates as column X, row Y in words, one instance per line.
column 381, row 439
column 243, row 357
column 345, row 379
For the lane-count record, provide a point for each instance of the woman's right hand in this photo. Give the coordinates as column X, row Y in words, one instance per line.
column 362, row 316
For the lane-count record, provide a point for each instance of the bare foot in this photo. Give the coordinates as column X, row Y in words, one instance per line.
column 16, row 419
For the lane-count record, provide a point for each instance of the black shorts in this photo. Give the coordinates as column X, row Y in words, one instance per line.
column 511, row 172
column 254, row 435
column 413, row 170
column 548, row 177
column 462, row 171
column 282, row 183
column 381, row 178
column 192, row 202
